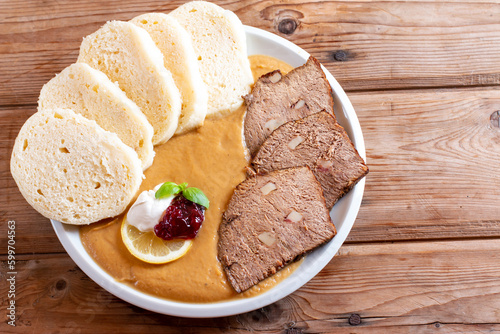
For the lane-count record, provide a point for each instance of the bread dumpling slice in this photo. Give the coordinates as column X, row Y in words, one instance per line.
column 90, row 93
column 180, row 59
column 69, row 169
column 220, row 45
column 128, row 56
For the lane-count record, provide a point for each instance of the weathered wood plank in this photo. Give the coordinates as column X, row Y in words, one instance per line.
column 365, row 44
column 432, row 158
column 401, row 287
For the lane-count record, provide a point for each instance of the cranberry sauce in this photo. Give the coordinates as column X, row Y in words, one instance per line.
column 181, row 220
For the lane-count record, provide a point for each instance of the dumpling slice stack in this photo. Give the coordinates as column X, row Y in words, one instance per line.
column 81, row 157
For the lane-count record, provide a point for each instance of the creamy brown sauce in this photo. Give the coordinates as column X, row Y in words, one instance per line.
column 264, row 64
column 212, row 158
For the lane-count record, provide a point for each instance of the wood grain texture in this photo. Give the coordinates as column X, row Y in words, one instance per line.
column 392, row 287
column 365, row 44
column 432, row 158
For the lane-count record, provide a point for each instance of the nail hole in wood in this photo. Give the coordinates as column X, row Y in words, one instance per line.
column 354, row 319
column 340, row 55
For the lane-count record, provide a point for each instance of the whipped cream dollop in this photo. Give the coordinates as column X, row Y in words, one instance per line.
column 147, row 211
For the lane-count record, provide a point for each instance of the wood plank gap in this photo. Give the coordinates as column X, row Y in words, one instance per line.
column 25, row 256
column 24, row 105
column 368, row 242
column 420, row 88
column 438, row 323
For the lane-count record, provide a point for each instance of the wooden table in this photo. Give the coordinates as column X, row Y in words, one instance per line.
column 423, row 255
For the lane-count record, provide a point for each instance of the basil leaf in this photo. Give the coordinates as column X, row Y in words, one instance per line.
column 167, row 189
column 197, row 196
column 183, row 186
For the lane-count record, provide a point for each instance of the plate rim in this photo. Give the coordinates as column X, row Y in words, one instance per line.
column 236, row 306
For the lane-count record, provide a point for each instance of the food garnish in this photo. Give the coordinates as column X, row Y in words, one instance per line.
column 146, row 246
column 182, row 220
column 193, row 194
column 161, row 224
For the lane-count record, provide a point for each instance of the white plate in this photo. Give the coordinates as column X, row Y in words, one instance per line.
column 343, row 214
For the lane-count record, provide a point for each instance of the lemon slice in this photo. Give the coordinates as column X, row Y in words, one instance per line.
column 146, row 246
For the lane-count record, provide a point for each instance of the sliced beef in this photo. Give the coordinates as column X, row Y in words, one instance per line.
column 277, row 99
column 271, row 221
column 319, row 142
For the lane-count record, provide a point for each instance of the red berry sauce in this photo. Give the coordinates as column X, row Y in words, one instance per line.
column 181, row 220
